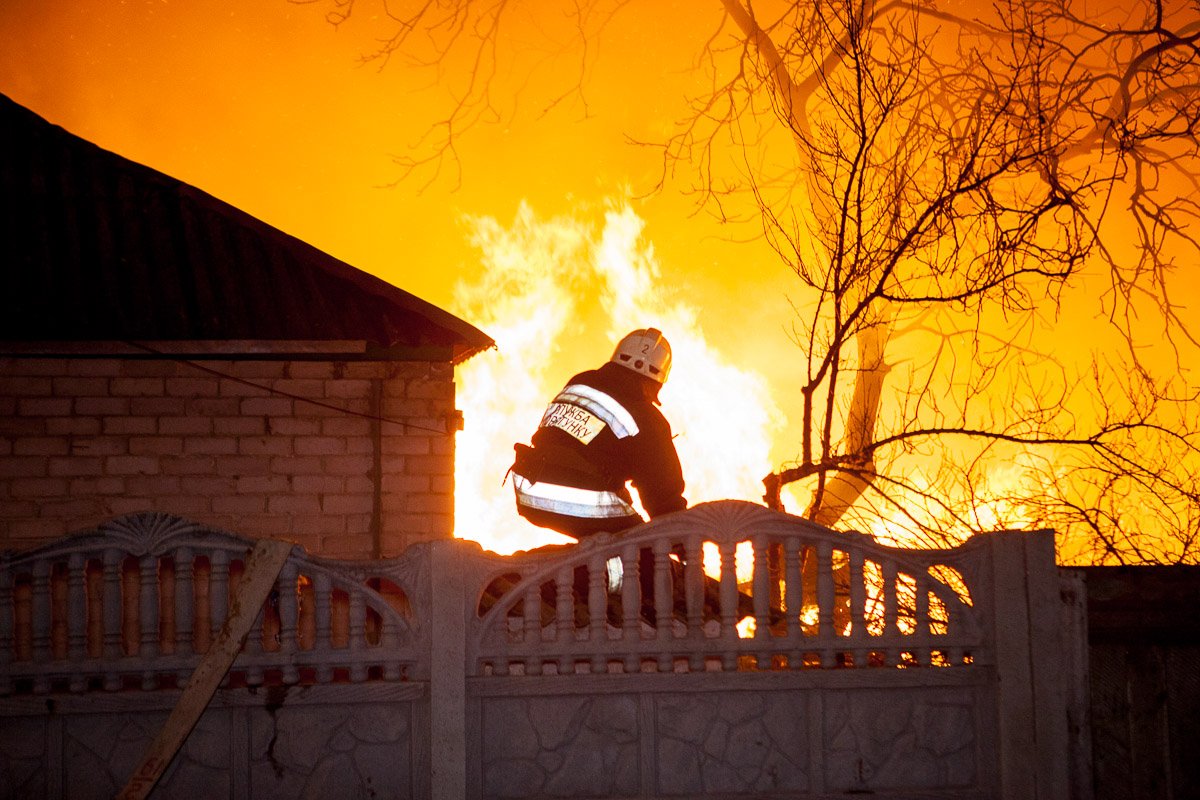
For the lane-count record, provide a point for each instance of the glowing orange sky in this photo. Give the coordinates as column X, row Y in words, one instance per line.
column 266, row 106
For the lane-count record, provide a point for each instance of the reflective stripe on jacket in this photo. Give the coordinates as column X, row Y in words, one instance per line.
column 570, row 501
column 597, row 403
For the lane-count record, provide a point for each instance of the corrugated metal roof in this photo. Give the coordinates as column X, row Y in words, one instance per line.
column 98, row 248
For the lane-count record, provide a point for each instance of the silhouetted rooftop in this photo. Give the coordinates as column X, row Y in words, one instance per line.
column 97, row 248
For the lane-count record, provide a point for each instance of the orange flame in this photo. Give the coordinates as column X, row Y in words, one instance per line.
column 556, row 294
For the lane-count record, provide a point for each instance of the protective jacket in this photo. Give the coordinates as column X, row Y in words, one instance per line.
column 600, row 432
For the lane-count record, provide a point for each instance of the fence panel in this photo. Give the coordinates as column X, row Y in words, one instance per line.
column 137, row 602
column 730, row 649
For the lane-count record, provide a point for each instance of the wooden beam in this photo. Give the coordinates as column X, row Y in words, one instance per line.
column 262, row 569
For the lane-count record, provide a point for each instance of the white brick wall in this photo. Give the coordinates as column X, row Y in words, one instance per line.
column 86, row 439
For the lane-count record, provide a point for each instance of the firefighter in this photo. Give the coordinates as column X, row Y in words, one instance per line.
column 603, row 430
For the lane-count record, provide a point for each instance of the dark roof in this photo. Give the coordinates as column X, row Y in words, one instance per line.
column 98, row 248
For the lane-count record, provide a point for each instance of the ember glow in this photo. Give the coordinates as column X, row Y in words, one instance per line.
column 556, row 294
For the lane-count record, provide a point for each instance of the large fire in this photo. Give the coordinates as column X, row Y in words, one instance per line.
column 556, row 295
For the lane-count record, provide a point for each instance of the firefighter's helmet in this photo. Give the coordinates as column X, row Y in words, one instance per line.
column 646, row 352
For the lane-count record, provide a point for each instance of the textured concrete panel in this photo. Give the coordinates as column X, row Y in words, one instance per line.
column 331, row 751
column 560, row 747
column 881, row 740
column 737, row 742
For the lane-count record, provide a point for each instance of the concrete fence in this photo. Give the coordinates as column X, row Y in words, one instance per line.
column 726, row 651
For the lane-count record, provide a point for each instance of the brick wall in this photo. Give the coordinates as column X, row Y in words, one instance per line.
column 232, row 443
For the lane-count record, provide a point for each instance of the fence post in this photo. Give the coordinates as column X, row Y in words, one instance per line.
column 1031, row 694
column 448, row 671
column 1052, row 665
column 1077, row 678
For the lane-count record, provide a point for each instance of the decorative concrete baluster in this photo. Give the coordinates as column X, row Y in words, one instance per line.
column 40, row 622
column 954, row 627
column 859, row 638
column 323, row 646
column 7, row 627
column 253, row 649
column 826, row 597
column 389, row 642
column 729, row 605
column 148, row 618
column 597, row 603
column 631, row 601
column 891, row 631
column 761, row 588
column 218, row 592
column 793, row 600
column 924, row 632
column 289, row 621
column 531, row 615
column 664, row 603
column 40, row 617
column 532, row 608
column 358, row 635
column 185, row 602
column 77, row 623
column 693, row 576
column 504, row 636
column 564, row 613
column 113, row 649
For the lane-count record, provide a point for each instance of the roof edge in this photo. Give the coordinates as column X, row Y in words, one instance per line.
column 234, row 350
column 474, row 339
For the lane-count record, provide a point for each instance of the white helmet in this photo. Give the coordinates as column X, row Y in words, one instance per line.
column 646, row 352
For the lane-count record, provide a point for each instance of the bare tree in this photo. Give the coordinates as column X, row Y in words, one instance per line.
column 943, row 186
column 959, row 170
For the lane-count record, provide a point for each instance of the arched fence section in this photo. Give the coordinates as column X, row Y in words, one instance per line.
column 724, row 651
column 729, row 587
column 137, row 602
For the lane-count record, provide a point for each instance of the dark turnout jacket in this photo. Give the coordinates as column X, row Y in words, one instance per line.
column 598, row 433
